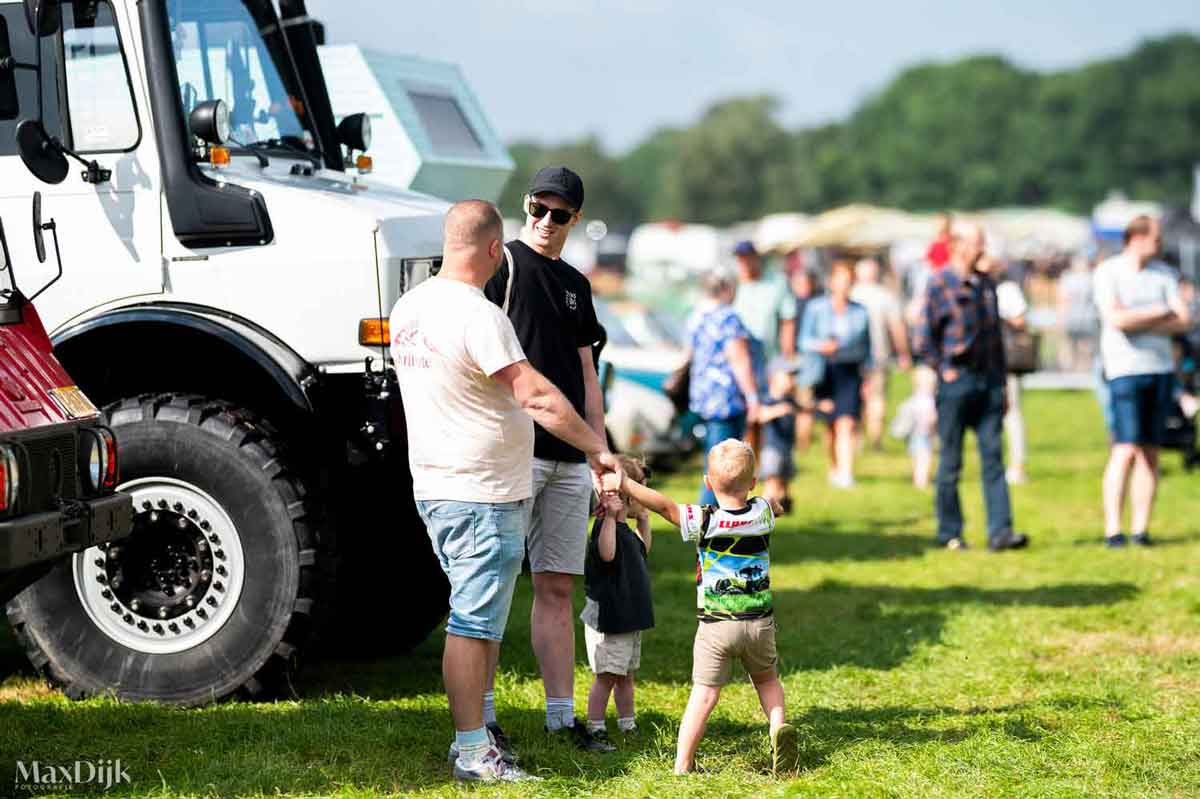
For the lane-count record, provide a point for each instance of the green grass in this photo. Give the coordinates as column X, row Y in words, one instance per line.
column 1064, row 671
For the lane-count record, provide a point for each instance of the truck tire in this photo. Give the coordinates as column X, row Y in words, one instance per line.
column 214, row 592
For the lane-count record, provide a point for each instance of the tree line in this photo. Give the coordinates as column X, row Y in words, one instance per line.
column 976, row 133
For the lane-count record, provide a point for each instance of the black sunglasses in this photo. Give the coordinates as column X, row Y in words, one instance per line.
column 559, row 216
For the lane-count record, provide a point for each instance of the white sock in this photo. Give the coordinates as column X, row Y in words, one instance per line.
column 472, row 745
column 560, row 712
column 626, row 723
column 595, row 726
column 489, row 707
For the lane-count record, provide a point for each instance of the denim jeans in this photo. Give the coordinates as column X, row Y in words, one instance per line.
column 716, row 431
column 974, row 401
column 480, row 546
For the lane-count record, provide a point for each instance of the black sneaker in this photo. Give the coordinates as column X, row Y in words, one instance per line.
column 1008, row 540
column 585, row 739
column 1142, row 539
column 1116, row 541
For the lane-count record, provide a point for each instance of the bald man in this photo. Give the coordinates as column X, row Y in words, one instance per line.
column 960, row 339
column 471, row 399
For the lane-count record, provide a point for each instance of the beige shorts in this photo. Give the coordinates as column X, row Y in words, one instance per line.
column 720, row 643
column 562, row 496
column 613, row 653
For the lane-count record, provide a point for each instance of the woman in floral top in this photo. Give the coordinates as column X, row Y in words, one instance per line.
column 724, row 387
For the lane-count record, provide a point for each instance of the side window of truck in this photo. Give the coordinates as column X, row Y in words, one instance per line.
column 18, row 87
column 99, row 94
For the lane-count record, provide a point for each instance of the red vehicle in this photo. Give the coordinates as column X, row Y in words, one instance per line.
column 58, row 462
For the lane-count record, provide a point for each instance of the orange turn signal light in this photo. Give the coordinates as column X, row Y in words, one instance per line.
column 374, row 332
column 364, row 163
column 218, row 156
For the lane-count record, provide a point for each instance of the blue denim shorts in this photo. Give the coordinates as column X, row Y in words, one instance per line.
column 1140, row 405
column 480, row 546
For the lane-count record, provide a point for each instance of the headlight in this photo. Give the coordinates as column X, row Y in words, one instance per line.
column 10, row 478
column 98, row 459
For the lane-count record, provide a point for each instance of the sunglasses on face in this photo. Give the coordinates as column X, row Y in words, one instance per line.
column 559, row 216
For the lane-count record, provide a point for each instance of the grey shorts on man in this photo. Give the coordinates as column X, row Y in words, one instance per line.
column 562, row 495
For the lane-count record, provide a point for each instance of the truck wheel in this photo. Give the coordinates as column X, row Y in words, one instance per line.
column 213, row 592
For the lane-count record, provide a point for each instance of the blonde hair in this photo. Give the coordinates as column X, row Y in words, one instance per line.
column 635, row 470
column 731, row 466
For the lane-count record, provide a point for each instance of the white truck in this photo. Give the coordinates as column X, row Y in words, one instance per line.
column 231, row 268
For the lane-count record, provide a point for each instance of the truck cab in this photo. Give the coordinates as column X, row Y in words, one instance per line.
column 232, row 274
column 58, row 462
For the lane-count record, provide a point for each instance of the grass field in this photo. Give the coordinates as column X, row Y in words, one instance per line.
column 1066, row 670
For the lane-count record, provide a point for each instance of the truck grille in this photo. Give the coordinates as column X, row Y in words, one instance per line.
column 50, row 471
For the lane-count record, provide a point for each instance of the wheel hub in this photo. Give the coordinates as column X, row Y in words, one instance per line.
column 175, row 580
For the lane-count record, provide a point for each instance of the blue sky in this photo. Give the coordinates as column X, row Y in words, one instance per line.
column 557, row 70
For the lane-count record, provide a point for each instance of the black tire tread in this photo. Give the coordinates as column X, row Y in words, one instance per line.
column 256, row 439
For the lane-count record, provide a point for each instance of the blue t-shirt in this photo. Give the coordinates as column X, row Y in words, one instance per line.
column 713, row 391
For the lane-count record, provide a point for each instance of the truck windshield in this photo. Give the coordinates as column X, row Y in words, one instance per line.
column 220, row 53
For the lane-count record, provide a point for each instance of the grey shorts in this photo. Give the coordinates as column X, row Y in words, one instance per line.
column 562, row 496
column 613, row 653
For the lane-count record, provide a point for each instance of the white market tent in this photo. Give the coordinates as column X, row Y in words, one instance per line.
column 429, row 131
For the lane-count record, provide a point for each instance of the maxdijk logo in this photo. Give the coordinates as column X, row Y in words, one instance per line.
column 37, row 776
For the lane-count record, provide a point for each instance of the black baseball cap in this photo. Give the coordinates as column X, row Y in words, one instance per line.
column 561, row 181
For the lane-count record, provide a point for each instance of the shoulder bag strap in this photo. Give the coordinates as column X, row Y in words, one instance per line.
column 512, row 271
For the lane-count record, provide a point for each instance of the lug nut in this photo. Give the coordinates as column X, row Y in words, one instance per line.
column 213, row 538
column 162, row 613
column 128, row 619
column 178, row 507
column 192, row 514
column 115, row 608
column 100, row 578
column 220, row 553
column 219, row 585
column 173, row 627
column 153, row 516
column 99, row 563
column 114, row 552
column 106, row 594
column 221, row 570
column 212, row 601
column 202, row 613
column 162, row 503
column 201, row 545
column 116, row 581
column 181, row 523
column 142, row 626
column 146, row 505
column 188, row 622
column 205, row 575
column 158, row 628
column 205, row 526
column 189, row 601
column 134, row 604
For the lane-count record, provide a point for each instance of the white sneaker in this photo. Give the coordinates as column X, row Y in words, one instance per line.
column 497, row 738
column 491, row 768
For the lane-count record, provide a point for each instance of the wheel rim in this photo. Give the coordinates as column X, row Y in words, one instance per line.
column 175, row 581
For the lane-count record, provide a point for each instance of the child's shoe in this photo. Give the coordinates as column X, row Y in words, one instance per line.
column 784, row 749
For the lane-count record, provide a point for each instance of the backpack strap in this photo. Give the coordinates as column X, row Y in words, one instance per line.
column 512, row 272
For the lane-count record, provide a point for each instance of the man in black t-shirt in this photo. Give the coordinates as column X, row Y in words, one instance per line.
column 550, row 304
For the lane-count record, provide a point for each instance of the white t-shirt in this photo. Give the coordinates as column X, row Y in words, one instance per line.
column 1126, row 354
column 761, row 304
column 1010, row 302
column 468, row 439
column 883, row 310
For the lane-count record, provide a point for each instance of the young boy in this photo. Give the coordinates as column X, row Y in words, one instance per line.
column 618, row 605
column 916, row 420
column 733, row 597
column 778, row 418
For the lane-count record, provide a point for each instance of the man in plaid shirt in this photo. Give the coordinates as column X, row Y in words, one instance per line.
column 959, row 337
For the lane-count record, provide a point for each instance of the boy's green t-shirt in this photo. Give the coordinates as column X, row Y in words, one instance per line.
column 732, row 559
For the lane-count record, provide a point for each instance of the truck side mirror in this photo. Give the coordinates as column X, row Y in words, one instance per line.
column 43, row 16
column 39, row 243
column 41, row 155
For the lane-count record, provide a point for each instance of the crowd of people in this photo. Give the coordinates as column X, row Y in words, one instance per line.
column 495, row 363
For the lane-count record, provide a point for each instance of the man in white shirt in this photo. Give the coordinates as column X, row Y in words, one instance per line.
column 888, row 336
column 471, row 398
column 1140, row 309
